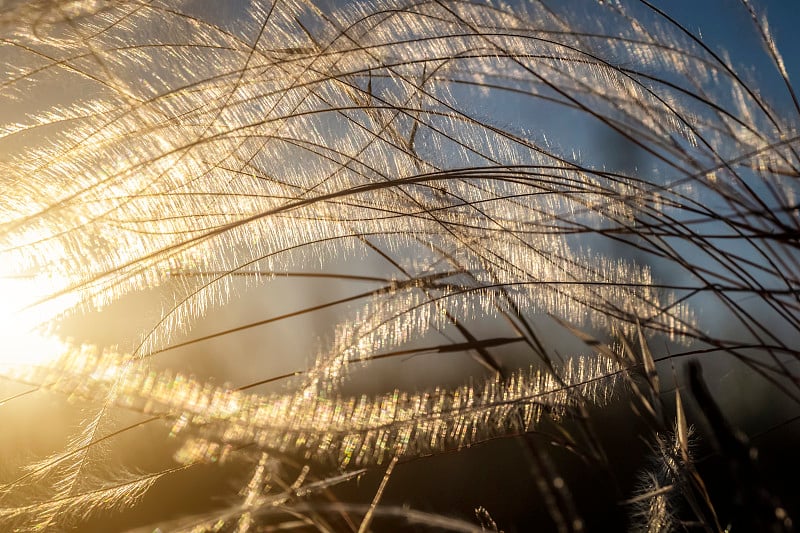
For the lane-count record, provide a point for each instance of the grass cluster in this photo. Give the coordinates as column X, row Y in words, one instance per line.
column 415, row 186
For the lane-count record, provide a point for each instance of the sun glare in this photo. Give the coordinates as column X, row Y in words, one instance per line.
column 23, row 323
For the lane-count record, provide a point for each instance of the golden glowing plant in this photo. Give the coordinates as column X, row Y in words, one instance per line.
column 424, row 170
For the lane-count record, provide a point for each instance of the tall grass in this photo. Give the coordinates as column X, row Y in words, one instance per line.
column 427, row 164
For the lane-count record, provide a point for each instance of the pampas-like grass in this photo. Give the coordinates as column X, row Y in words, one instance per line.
column 199, row 152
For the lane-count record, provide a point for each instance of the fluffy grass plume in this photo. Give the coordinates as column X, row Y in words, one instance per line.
column 426, row 178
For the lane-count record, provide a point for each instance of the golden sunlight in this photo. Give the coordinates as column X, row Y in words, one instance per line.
column 25, row 315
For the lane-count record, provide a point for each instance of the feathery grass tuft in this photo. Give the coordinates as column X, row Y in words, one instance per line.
column 429, row 164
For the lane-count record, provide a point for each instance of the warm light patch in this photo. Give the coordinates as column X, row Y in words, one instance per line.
column 23, row 321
